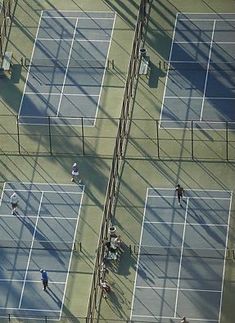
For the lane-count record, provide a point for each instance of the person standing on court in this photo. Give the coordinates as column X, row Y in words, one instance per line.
column 44, row 279
column 14, row 200
column 75, row 172
column 179, row 191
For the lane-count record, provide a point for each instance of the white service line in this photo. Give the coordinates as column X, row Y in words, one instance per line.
column 207, row 70
column 35, row 216
column 191, row 319
column 76, row 39
column 67, row 68
column 183, row 289
column 181, row 259
column 42, row 191
column 59, row 93
column 30, row 252
column 30, row 281
column 188, row 223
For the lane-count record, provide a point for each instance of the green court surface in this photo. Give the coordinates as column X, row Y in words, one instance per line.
column 142, row 168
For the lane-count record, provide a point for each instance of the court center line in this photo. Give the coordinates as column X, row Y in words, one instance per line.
column 188, row 223
column 30, row 252
column 181, row 258
column 67, row 68
column 183, row 289
column 224, row 264
column 207, row 70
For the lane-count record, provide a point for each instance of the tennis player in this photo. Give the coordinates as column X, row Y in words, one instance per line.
column 44, row 279
column 179, row 191
column 14, row 200
column 75, row 172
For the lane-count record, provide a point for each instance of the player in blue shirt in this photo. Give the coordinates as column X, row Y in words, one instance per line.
column 44, row 279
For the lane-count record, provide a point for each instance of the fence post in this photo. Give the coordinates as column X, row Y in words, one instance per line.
column 83, row 144
column 49, row 133
column 227, row 140
column 9, row 317
column 157, row 134
column 18, row 134
column 192, row 152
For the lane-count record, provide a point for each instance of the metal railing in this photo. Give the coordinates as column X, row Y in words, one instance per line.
column 118, row 155
column 6, row 15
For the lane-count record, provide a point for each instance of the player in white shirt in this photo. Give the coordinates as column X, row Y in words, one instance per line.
column 14, row 200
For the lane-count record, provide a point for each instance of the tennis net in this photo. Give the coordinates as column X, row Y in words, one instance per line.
column 41, row 245
column 187, row 252
column 198, row 66
column 64, row 63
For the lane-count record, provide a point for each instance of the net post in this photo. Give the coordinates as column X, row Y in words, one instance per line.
column 83, row 144
column 9, row 317
column 18, row 134
column 192, row 152
column 112, row 62
column 49, row 134
column 157, row 138
column 227, row 140
column 45, row 319
column 130, row 249
column 80, row 246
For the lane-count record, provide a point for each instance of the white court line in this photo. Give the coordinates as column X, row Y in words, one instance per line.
column 35, row 216
column 168, row 70
column 71, row 254
column 191, row 197
column 80, row 18
column 226, row 244
column 188, row 223
column 67, row 68
column 183, row 289
column 57, row 94
column 195, row 19
column 31, row 281
column 172, row 317
column 188, row 189
column 26, row 81
column 76, row 39
column 30, row 252
column 181, row 258
column 204, row 42
column 28, row 309
column 42, row 184
column 138, row 257
column 3, row 190
column 104, row 72
column 37, row 191
column 199, row 98
column 207, row 70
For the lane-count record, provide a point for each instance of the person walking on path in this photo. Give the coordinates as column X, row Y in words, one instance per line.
column 179, row 191
column 14, row 200
column 75, row 172
column 44, row 279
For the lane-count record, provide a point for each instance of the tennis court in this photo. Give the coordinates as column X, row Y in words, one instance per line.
column 41, row 235
column 67, row 68
column 181, row 256
column 200, row 70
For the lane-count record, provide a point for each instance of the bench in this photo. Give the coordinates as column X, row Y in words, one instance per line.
column 144, row 65
column 7, row 62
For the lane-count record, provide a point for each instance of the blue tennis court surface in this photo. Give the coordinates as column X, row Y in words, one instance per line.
column 67, row 68
column 200, row 82
column 41, row 235
column 181, row 257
